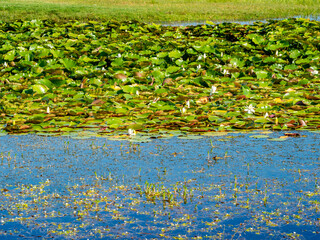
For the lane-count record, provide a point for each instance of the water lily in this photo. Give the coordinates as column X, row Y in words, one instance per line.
column 188, row 104
column 213, row 90
column 119, row 55
column 5, row 64
column 202, row 57
column 156, row 100
column 313, row 71
column 183, row 110
column 249, row 109
column 198, row 67
column 226, row 72
column 266, row 115
column 48, row 110
column 131, row 132
column 137, row 93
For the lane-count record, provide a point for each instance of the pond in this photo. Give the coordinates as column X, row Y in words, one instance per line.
column 188, row 23
column 256, row 185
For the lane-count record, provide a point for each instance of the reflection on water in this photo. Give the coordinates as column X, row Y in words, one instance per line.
column 227, row 186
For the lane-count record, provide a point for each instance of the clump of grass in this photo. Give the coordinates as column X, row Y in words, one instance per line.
column 156, row 192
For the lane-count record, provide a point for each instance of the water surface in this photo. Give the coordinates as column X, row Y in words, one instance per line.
column 231, row 186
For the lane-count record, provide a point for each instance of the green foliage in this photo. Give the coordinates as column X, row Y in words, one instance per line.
column 198, row 79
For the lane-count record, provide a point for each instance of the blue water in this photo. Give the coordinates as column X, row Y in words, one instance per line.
column 279, row 179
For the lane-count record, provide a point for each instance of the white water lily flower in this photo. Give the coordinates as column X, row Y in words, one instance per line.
column 213, row 90
column 188, row 104
column 183, row 110
column 48, row 110
column 198, row 67
column 314, row 71
column 202, row 57
column 225, row 72
column 137, row 93
column 156, row 100
column 249, row 109
column 119, row 55
column 266, row 115
column 5, row 64
column 131, row 132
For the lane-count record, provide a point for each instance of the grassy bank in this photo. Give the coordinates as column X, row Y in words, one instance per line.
column 156, row 10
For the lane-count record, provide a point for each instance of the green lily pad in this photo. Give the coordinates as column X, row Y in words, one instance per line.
column 277, row 139
column 190, row 137
column 39, row 88
column 215, row 134
column 259, row 136
column 3, row 134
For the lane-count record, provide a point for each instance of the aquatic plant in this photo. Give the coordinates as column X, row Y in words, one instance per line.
column 97, row 76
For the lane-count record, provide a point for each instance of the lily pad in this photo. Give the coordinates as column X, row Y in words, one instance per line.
column 190, row 137
column 277, row 139
column 259, row 136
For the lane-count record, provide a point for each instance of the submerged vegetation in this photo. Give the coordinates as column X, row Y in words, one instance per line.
column 144, row 78
column 242, row 188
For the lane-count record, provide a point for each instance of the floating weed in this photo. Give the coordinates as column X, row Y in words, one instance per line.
column 87, row 202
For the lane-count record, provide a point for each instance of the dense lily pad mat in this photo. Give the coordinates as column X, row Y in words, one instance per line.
column 129, row 75
column 233, row 186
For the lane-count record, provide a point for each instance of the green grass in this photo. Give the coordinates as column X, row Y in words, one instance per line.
column 156, row 10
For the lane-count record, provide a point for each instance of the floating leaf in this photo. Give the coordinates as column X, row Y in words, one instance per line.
column 39, row 88
column 190, row 137
column 261, row 74
column 173, row 69
column 175, row 54
column 259, row 136
column 277, row 139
